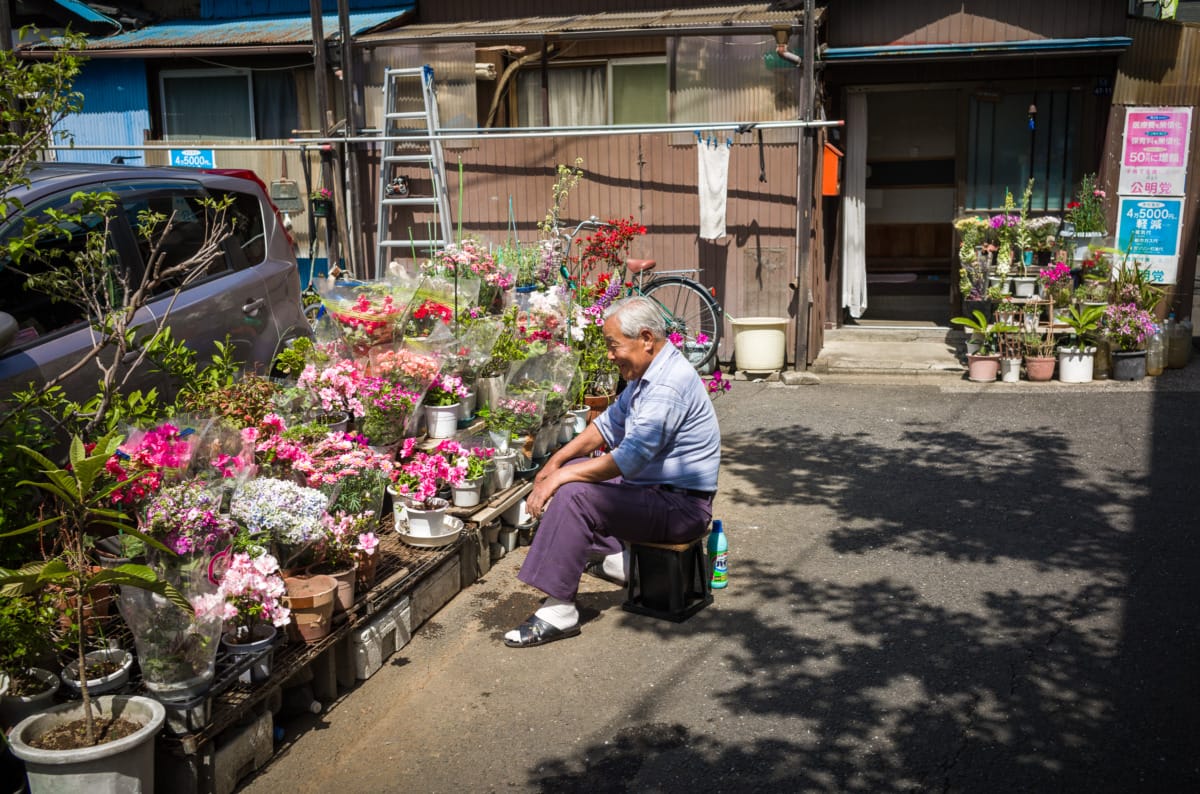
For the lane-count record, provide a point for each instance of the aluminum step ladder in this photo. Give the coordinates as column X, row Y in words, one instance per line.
column 393, row 194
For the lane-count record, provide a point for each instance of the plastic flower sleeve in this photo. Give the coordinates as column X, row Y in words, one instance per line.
column 368, row 312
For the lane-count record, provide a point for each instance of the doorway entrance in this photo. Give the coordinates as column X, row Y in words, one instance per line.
column 909, row 206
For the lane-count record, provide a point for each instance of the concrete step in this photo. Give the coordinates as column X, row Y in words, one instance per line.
column 905, row 351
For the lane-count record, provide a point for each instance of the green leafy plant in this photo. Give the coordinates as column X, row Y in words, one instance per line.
column 1087, row 210
column 78, row 499
column 1082, row 323
column 982, row 330
column 28, row 633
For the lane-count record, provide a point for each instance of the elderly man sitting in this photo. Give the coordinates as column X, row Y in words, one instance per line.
column 655, row 485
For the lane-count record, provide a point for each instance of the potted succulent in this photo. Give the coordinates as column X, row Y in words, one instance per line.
column 1076, row 355
column 80, row 496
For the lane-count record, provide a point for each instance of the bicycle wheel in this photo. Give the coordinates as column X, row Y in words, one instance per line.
column 691, row 313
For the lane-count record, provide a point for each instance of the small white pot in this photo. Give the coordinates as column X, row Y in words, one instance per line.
column 1010, row 370
column 441, row 421
column 468, row 493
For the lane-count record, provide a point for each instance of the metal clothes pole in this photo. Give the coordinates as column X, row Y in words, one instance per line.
column 804, row 195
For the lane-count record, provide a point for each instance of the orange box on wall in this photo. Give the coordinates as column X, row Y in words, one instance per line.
column 831, row 161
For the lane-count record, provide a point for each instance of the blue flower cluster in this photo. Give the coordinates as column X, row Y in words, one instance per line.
column 283, row 510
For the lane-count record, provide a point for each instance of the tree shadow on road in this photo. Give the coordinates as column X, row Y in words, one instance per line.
column 877, row 686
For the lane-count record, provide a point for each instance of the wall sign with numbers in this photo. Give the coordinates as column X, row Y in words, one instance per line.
column 1154, row 152
column 1149, row 230
column 194, row 158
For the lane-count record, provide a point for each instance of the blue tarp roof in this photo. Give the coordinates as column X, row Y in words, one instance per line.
column 245, row 32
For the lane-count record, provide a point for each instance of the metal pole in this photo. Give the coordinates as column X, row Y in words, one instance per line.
column 325, row 122
column 5, row 26
column 353, row 236
column 804, row 194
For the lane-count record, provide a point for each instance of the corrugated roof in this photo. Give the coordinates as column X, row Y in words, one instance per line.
column 732, row 19
column 86, row 13
column 244, row 32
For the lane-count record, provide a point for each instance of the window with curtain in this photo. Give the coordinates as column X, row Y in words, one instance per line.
column 208, row 105
column 1004, row 150
column 577, row 97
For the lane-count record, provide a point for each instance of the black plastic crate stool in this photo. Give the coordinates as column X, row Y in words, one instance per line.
column 668, row 580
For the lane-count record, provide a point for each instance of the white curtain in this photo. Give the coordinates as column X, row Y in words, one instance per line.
column 577, row 97
column 854, row 211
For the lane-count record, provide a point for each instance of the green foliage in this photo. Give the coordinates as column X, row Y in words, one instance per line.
column 981, row 329
column 293, row 358
column 28, row 632
column 507, row 349
column 1082, row 323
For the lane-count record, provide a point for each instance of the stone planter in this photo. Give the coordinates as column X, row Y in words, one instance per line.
column 14, row 708
column 112, row 682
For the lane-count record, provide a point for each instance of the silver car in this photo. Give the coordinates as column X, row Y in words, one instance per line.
column 250, row 292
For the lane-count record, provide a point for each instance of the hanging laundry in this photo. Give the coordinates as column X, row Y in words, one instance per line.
column 713, row 179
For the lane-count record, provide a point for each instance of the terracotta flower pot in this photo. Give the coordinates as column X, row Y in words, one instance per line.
column 597, row 404
column 982, row 369
column 311, row 600
column 1039, row 368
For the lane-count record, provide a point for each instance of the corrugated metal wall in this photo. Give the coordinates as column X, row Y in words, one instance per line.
column 1162, row 67
column 854, row 23
column 115, row 111
column 654, row 181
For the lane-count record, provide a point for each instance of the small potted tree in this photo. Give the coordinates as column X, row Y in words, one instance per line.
column 28, row 639
column 86, row 737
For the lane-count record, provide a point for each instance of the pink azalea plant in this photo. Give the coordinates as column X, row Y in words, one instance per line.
column 334, row 388
column 145, row 459
column 349, row 539
column 470, row 463
column 251, row 592
column 447, row 389
column 421, row 474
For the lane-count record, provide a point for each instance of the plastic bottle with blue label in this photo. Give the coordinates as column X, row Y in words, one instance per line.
column 718, row 555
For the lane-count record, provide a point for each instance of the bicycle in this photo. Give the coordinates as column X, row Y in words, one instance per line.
column 690, row 311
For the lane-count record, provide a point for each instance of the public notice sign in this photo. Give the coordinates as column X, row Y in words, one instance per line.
column 1149, row 230
column 1155, row 151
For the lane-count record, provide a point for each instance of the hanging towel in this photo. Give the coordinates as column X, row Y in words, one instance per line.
column 714, row 183
column 854, row 215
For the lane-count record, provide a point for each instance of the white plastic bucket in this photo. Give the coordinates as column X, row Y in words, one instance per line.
column 759, row 343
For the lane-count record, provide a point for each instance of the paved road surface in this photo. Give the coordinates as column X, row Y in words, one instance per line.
column 933, row 587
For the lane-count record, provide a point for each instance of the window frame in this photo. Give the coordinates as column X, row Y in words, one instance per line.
column 245, row 74
column 641, row 60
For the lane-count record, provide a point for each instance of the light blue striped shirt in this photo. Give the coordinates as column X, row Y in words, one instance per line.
column 662, row 429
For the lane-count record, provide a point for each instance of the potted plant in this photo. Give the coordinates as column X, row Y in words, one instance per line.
column 1057, row 286
column 1086, row 212
column 80, row 496
column 471, row 464
column 1128, row 329
column 1039, row 355
column 983, row 365
column 416, row 482
column 1008, row 345
column 321, row 202
column 347, row 537
column 29, row 637
column 441, row 405
column 1075, row 355
column 512, row 416
column 250, row 599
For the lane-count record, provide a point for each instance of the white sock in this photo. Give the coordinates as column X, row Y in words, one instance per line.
column 617, row 565
column 558, row 613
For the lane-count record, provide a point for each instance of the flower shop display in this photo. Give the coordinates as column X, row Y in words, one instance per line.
column 470, row 259
column 333, row 390
column 280, row 512
column 369, row 313
column 346, row 469
column 250, row 599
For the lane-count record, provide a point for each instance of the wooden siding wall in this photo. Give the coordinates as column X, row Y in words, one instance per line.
column 853, row 23
column 653, row 181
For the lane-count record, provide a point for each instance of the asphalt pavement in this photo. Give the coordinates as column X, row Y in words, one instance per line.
column 934, row 586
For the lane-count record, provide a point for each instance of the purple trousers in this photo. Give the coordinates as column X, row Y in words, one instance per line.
column 592, row 518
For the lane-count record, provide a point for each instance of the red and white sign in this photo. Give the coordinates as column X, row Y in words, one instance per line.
column 1155, row 151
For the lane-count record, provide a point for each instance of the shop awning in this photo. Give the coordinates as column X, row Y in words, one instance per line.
column 233, row 36
column 731, row 20
column 930, row 52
